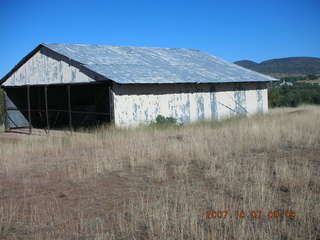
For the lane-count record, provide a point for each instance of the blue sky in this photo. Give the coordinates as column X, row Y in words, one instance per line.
column 233, row 30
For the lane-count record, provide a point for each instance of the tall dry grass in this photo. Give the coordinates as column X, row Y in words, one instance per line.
column 151, row 183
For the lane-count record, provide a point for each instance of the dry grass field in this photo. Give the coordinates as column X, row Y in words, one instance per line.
column 259, row 177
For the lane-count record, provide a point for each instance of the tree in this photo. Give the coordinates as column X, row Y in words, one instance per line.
column 312, row 77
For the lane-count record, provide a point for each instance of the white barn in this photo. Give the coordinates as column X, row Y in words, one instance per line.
column 74, row 84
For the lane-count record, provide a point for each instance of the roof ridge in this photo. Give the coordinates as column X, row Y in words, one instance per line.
column 120, row 46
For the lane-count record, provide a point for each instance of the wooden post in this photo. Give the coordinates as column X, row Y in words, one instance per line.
column 69, row 108
column 46, row 103
column 29, row 110
column 111, row 106
column 6, row 123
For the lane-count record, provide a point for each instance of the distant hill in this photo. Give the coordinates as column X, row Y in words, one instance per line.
column 284, row 66
column 247, row 64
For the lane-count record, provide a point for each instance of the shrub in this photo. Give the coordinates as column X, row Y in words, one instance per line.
column 165, row 120
column 162, row 121
column 312, row 77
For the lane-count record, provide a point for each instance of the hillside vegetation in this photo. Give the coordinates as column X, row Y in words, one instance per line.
column 284, row 66
column 258, row 176
column 294, row 94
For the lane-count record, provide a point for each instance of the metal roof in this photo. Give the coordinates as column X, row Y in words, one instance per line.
column 127, row 65
column 130, row 65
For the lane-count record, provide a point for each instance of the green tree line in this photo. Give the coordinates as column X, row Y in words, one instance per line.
column 292, row 96
column 300, row 78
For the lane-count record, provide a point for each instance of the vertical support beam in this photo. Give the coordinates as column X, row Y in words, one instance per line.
column 46, row 104
column 6, row 124
column 111, row 105
column 69, row 108
column 29, row 110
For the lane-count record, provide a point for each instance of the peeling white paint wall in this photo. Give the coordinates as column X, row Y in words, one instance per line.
column 135, row 104
column 42, row 69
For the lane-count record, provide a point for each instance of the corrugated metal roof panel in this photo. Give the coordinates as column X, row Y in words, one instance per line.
column 129, row 65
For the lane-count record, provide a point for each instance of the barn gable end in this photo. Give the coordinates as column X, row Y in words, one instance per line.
column 46, row 67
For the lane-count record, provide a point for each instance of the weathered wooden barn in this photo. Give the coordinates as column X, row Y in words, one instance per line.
column 59, row 85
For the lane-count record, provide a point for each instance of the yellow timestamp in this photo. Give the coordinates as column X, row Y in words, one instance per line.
column 253, row 214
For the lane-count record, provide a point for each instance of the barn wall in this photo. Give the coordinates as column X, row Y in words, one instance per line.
column 46, row 67
column 135, row 104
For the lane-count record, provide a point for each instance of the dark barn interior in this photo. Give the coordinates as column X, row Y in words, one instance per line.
column 58, row 106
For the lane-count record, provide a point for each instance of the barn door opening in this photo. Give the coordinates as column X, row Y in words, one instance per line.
column 58, row 106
